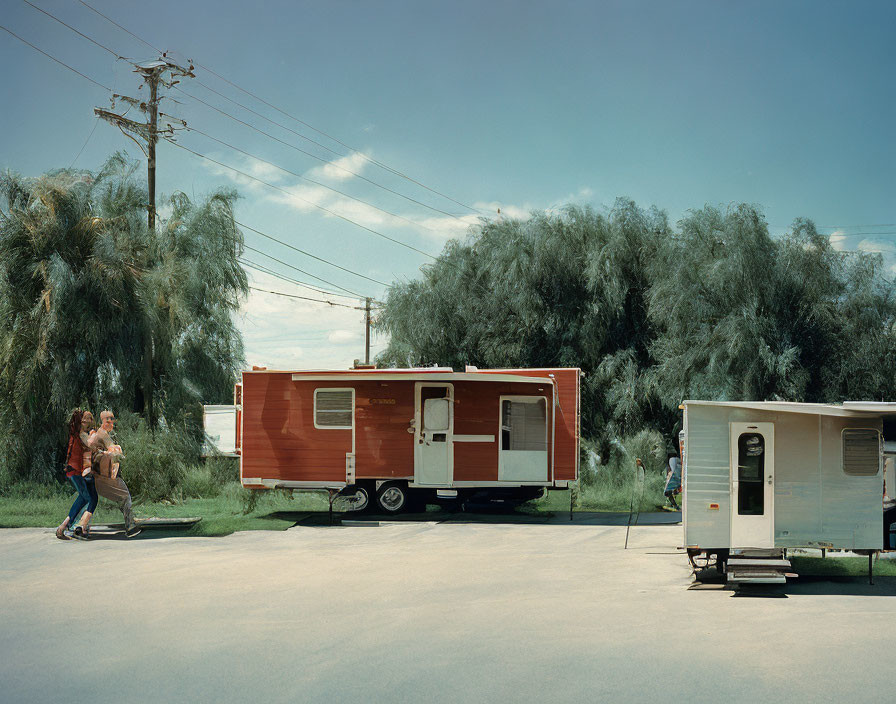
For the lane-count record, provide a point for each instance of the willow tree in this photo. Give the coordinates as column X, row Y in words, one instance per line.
column 90, row 300
column 714, row 308
column 558, row 289
column 744, row 316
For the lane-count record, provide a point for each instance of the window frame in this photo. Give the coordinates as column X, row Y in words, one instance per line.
column 333, row 427
column 523, row 399
column 843, row 452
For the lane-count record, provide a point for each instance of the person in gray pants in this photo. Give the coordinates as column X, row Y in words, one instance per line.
column 109, row 483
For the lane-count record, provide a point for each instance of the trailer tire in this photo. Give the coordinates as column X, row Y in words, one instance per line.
column 360, row 496
column 392, row 497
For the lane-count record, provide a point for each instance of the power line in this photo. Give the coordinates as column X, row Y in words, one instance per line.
column 848, row 227
column 304, row 200
column 266, row 269
column 315, row 156
column 158, row 51
column 311, row 127
column 53, row 58
column 94, row 41
column 308, row 254
column 270, row 272
column 305, row 178
column 305, row 298
column 83, row 146
column 858, row 234
column 373, row 161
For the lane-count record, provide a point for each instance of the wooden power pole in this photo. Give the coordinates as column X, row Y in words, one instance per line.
column 146, row 135
column 367, row 331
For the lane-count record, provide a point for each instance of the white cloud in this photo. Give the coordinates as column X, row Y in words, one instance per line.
column 340, row 337
column 838, row 241
column 338, row 169
column 876, row 246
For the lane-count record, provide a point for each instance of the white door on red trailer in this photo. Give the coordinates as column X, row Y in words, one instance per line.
column 752, row 485
column 434, row 434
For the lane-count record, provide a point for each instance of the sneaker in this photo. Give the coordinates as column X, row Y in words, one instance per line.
column 63, row 533
column 80, row 534
column 132, row 530
column 68, row 533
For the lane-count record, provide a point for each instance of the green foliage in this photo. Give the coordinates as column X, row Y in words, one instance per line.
column 97, row 312
column 714, row 308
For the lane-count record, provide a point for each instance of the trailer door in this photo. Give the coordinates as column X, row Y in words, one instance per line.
column 433, row 434
column 752, row 485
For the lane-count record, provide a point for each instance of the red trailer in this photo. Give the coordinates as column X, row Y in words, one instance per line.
column 403, row 437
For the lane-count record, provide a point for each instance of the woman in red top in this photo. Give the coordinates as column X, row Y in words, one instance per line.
column 80, row 474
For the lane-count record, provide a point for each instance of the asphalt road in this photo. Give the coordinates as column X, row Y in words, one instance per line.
column 422, row 612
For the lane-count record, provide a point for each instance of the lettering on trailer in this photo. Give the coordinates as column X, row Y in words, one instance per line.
column 382, row 401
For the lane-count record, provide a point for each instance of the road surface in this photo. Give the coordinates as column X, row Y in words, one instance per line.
column 422, row 612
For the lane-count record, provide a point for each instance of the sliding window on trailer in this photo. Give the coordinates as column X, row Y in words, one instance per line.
column 523, row 453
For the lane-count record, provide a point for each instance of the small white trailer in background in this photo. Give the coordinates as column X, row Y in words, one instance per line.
column 762, row 477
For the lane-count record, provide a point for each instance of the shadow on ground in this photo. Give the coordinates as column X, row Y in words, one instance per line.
column 804, row 585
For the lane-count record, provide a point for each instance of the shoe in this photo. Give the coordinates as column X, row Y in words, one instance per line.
column 63, row 533
column 79, row 534
column 68, row 533
column 133, row 530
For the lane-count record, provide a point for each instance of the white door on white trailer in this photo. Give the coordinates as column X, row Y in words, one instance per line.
column 433, row 434
column 752, row 485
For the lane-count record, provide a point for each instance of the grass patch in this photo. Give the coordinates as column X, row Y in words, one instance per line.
column 46, row 506
column 841, row 567
column 611, row 485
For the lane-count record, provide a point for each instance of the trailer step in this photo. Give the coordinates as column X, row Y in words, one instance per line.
column 758, row 569
column 771, row 564
column 757, row 579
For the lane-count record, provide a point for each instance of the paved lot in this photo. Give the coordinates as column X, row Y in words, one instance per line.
column 422, row 612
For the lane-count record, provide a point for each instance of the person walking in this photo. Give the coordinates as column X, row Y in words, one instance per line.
column 80, row 474
column 109, row 483
column 673, row 481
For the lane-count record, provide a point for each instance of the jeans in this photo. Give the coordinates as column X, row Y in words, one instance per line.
column 87, row 496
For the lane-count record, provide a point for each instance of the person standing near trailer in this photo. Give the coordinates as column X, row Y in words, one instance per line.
column 673, row 481
column 109, row 483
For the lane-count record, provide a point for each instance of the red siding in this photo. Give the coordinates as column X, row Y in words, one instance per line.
column 279, row 440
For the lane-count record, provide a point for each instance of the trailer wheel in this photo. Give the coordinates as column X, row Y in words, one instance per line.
column 392, row 497
column 357, row 496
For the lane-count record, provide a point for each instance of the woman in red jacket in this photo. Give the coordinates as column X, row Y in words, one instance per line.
column 80, row 474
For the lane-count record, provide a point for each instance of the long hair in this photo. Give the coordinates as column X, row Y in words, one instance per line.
column 74, row 425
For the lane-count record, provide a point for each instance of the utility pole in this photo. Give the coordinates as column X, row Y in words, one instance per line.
column 367, row 330
column 146, row 135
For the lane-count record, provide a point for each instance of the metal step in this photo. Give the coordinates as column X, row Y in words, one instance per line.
column 758, row 570
column 757, row 578
column 736, row 562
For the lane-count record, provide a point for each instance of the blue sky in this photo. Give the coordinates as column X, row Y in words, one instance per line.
column 517, row 105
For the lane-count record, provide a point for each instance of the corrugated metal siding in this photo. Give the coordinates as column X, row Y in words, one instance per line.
column 707, row 477
column 816, row 502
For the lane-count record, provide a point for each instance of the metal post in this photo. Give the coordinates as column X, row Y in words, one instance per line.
column 870, row 568
column 638, row 483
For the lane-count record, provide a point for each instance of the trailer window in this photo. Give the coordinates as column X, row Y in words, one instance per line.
column 861, row 452
column 333, row 408
column 524, row 425
column 750, row 474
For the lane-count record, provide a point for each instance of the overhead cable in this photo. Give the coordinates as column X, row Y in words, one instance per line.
column 348, row 292
column 315, row 156
column 305, row 178
column 373, row 161
column 94, row 41
column 308, row 254
column 305, row 200
column 61, row 63
column 306, row 298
